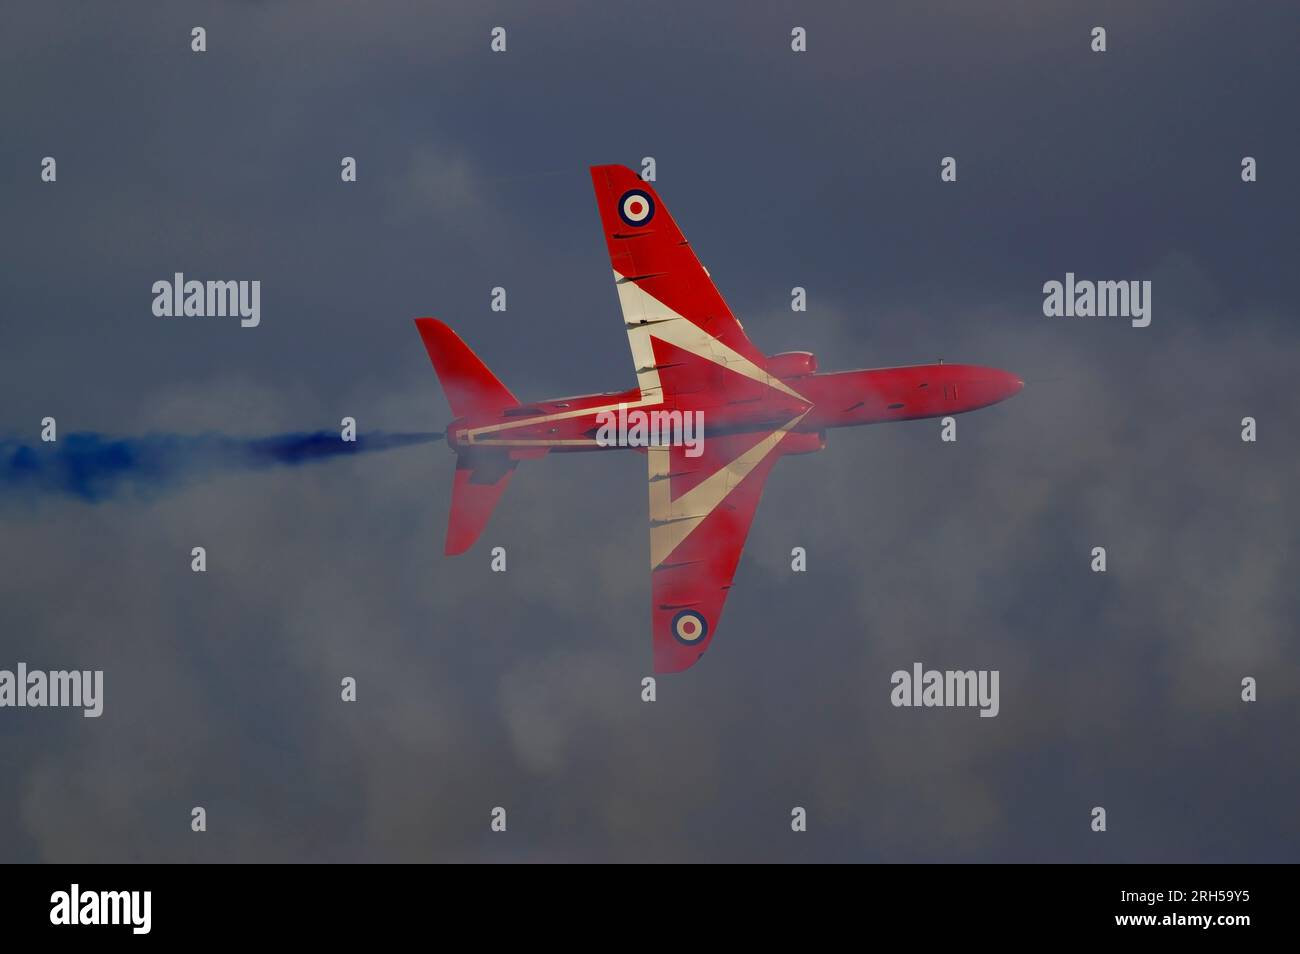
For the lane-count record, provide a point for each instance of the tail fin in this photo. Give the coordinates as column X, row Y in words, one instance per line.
column 470, row 387
column 482, row 474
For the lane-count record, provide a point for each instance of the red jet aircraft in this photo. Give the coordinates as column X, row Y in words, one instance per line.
column 691, row 355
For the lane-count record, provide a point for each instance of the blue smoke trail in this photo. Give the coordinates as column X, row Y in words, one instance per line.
column 95, row 468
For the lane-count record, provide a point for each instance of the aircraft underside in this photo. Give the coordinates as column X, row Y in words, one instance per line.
column 711, row 413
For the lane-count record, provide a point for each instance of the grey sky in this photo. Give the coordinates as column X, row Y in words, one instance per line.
column 521, row 689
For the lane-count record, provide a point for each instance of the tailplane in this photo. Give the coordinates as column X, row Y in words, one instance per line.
column 481, row 479
column 482, row 474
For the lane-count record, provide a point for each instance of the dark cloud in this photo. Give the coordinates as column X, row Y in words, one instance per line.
column 522, row 689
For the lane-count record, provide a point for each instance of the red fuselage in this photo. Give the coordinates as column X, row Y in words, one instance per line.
column 834, row 399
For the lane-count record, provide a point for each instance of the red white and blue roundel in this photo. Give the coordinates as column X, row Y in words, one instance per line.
column 636, row 207
column 689, row 627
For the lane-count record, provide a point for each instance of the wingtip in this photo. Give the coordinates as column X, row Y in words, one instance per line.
column 608, row 175
column 671, row 660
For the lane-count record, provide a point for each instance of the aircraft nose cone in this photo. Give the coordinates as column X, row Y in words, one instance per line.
column 996, row 385
column 1008, row 385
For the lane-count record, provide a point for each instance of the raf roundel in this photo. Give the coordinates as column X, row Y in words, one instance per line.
column 689, row 627
column 636, row 207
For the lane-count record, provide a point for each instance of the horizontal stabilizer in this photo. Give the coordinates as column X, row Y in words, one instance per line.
column 481, row 479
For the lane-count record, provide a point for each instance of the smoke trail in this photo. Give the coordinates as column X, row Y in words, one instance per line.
column 94, row 468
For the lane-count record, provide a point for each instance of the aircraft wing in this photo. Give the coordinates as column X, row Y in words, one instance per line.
column 690, row 354
column 700, row 512
column 669, row 302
